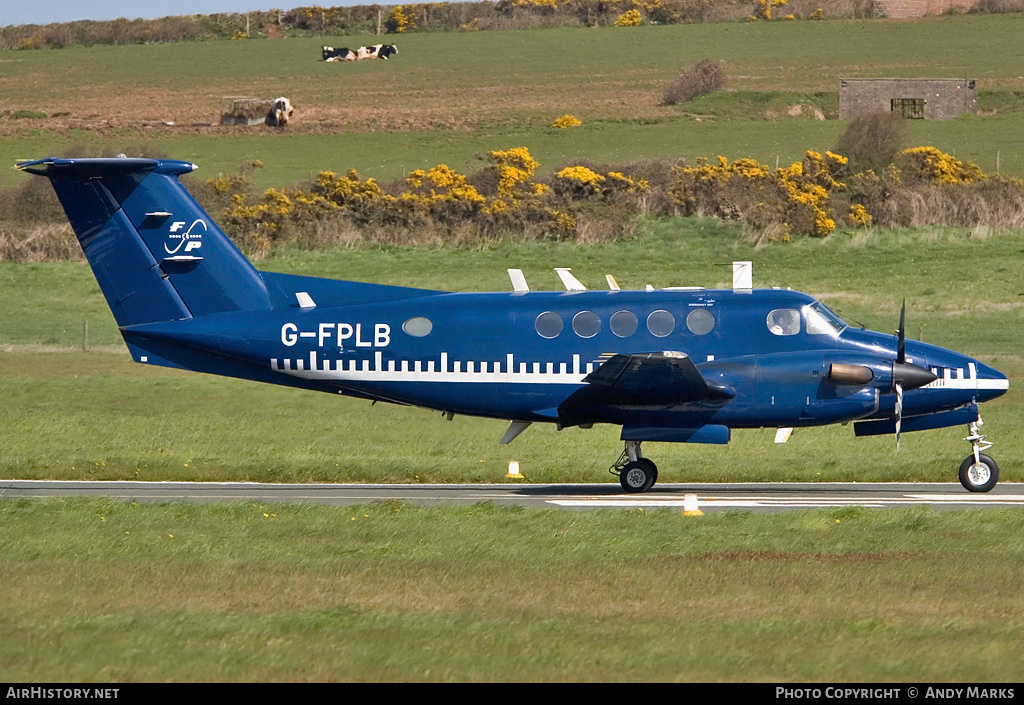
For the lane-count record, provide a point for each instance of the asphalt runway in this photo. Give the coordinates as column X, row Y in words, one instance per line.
column 757, row 497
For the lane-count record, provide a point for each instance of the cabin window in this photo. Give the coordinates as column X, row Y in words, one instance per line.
column 700, row 321
column 548, row 324
column 784, row 321
column 587, row 324
column 623, row 323
column 661, row 323
column 418, row 327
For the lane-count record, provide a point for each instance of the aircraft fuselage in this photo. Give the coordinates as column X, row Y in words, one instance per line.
column 490, row 354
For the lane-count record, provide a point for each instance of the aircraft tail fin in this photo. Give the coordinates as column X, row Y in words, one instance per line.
column 155, row 252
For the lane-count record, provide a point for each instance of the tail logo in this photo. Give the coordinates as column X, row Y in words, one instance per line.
column 192, row 236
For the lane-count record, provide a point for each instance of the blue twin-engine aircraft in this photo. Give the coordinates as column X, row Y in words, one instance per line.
column 682, row 365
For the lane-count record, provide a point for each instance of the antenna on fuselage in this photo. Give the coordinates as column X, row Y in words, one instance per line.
column 518, row 280
column 743, row 275
column 612, row 284
column 571, row 283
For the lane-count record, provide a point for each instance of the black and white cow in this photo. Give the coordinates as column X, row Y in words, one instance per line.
column 280, row 112
column 342, row 54
column 377, row 51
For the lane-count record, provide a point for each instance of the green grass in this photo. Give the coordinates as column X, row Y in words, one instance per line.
column 98, row 590
column 962, row 286
column 451, row 97
column 98, row 415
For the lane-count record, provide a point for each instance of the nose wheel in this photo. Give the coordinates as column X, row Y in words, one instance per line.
column 978, row 472
column 636, row 473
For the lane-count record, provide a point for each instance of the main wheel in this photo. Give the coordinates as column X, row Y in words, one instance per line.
column 638, row 476
column 979, row 477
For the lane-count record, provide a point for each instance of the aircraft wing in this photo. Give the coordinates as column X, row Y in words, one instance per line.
column 641, row 380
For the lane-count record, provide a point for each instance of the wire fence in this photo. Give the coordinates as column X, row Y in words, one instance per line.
column 82, row 334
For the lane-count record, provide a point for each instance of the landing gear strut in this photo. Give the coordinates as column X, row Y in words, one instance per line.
column 978, row 472
column 636, row 473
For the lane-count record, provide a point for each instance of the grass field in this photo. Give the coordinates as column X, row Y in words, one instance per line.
column 96, row 590
column 451, row 97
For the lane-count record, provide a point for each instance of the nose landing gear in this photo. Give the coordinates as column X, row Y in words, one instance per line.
column 636, row 473
column 978, row 472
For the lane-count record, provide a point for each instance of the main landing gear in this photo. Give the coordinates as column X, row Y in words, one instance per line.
column 978, row 472
column 636, row 473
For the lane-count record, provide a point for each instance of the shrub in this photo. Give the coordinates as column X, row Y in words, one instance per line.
column 583, row 200
column 629, row 18
column 566, row 121
column 796, row 197
column 44, row 243
column 401, row 19
column 763, row 10
column 578, row 182
column 997, row 6
column 703, row 77
column 930, row 165
column 872, row 141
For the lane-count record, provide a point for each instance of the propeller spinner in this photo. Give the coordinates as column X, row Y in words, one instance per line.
column 905, row 375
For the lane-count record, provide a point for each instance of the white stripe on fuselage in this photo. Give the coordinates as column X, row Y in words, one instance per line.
column 376, row 370
column 954, row 379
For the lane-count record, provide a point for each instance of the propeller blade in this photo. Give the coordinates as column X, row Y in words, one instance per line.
column 901, row 336
column 899, row 414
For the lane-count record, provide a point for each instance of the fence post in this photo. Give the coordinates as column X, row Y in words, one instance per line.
column 85, row 336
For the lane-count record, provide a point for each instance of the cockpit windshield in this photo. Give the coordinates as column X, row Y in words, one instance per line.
column 821, row 321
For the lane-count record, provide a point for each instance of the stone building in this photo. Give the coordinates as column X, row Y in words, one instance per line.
column 920, row 98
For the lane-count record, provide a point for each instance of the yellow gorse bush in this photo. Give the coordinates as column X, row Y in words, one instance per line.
column 566, row 121
column 515, row 166
column 763, row 10
column 930, row 164
column 578, row 182
column 796, row 196
column 401, row 19
column 580, row 174
column 859, row 215
column 806, row 197
column 440, row 195
column 629, row 18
